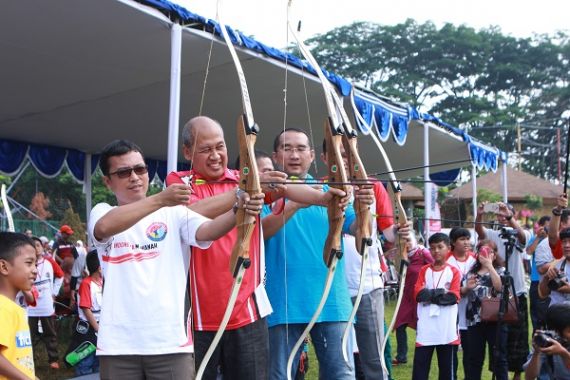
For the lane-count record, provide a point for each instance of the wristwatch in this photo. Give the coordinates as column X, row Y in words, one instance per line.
column 556, row 211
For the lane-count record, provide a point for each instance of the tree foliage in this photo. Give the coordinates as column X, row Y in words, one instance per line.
column 482, row 81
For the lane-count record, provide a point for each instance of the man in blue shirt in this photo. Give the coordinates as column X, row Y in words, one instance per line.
column 296, row 271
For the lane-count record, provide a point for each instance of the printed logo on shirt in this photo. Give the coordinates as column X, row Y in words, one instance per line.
column 156, row 231
column 23, row 339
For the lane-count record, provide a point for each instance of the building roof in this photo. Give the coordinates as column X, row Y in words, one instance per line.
column 519, row 185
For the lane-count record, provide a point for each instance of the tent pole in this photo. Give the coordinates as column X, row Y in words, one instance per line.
column 174, row 109
column 504, row 180
column 474, row 198
column 427, row 188
column 87, row 187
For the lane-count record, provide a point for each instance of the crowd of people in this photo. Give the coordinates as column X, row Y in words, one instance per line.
column 152, row 292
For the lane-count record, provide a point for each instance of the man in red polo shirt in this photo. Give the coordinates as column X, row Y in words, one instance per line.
column 243, row 351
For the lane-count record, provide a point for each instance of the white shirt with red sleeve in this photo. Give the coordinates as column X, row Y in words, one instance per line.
column 48, row 282
column 463, row 266
column 90, row 296
column 353, row 260
column 145, row 270
column 437, row 325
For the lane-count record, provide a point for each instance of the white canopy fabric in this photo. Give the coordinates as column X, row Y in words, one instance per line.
column 78, row 74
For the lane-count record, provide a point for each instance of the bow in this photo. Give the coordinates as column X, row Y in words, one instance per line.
column 399, row 217
column 249, row 181
column 337, row 174
column 7, row 209
column 363, row 234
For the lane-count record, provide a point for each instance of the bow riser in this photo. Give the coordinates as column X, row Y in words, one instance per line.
column 362, row 210
column 336, row 173
column 249, row 182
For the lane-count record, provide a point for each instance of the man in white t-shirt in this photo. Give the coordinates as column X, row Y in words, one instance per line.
column 517, row 334
column 143, row 247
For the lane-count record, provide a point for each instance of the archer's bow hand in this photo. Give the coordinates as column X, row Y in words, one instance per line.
column 174, row 195
column 273, row 181
column 252, row 204
column 337, row 196
column 404, row 229
column 365, row 194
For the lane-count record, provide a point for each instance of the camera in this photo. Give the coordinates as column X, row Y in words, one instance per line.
column 508, row 232
column 491, row 207
column 557, row 282
column 544, row 338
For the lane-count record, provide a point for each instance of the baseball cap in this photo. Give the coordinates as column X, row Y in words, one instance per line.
column 65, row 229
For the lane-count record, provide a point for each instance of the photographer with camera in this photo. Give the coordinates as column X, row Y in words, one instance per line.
column 556, row 280
column 550, row 348
column 517, row 347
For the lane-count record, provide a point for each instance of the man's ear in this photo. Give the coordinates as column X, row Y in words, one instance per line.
column 4, row 267
column 187, row 152
column 107, row 181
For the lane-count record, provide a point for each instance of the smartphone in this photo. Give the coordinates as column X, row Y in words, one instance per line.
column 484, row 251
column 491, row 207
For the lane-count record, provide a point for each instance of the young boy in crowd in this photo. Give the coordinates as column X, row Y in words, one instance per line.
column 89, row 301
column 437, row 293
column 48, row 283
column 462, row 258
column 17, row 273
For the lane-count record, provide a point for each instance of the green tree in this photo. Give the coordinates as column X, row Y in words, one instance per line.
column 482, row 81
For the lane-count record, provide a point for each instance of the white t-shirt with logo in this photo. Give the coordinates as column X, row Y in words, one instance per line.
column 145, row 270
column 48, row 282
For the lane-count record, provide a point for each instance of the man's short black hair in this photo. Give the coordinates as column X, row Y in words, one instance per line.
column 116, row 148
column 558, row 316
column 564, row 234
column 458, row 232
column 439, row 237
column 298, row 130
column 11, row 242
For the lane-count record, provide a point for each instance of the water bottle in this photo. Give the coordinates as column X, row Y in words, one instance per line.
column 81, row 352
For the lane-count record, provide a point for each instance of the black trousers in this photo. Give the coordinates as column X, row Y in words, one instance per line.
column 242, row 353
column 48, row 336
column 446, row 354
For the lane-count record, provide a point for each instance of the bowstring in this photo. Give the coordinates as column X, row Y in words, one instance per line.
column 284, row 203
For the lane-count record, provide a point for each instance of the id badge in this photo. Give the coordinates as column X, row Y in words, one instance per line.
column 433, row 310
column 262, row 300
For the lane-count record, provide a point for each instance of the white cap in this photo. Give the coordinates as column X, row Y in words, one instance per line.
column 44, row 239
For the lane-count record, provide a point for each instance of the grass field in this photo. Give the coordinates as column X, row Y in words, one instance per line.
column 401, row 372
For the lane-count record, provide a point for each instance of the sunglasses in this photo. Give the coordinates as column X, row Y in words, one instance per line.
column 127, row 172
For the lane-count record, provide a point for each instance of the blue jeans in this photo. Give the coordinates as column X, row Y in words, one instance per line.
column 326, row 338
column 89, row 364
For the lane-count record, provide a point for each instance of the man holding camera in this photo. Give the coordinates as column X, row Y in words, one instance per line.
column 517, row 342
column 550, row 348
column 555, row 281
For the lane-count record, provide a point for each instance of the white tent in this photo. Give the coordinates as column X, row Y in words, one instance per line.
column 76, row 74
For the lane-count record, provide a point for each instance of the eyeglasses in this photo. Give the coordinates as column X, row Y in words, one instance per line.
column 127, row 172
column 302, row 149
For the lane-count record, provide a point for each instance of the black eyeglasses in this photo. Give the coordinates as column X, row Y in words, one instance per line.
column 126, row 172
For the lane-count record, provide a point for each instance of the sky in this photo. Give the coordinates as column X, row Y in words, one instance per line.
column 266, row 19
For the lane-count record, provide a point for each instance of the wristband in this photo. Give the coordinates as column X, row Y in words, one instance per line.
column 239, row 192
column 508, row 218
column 556, row 211
column 235, row 208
